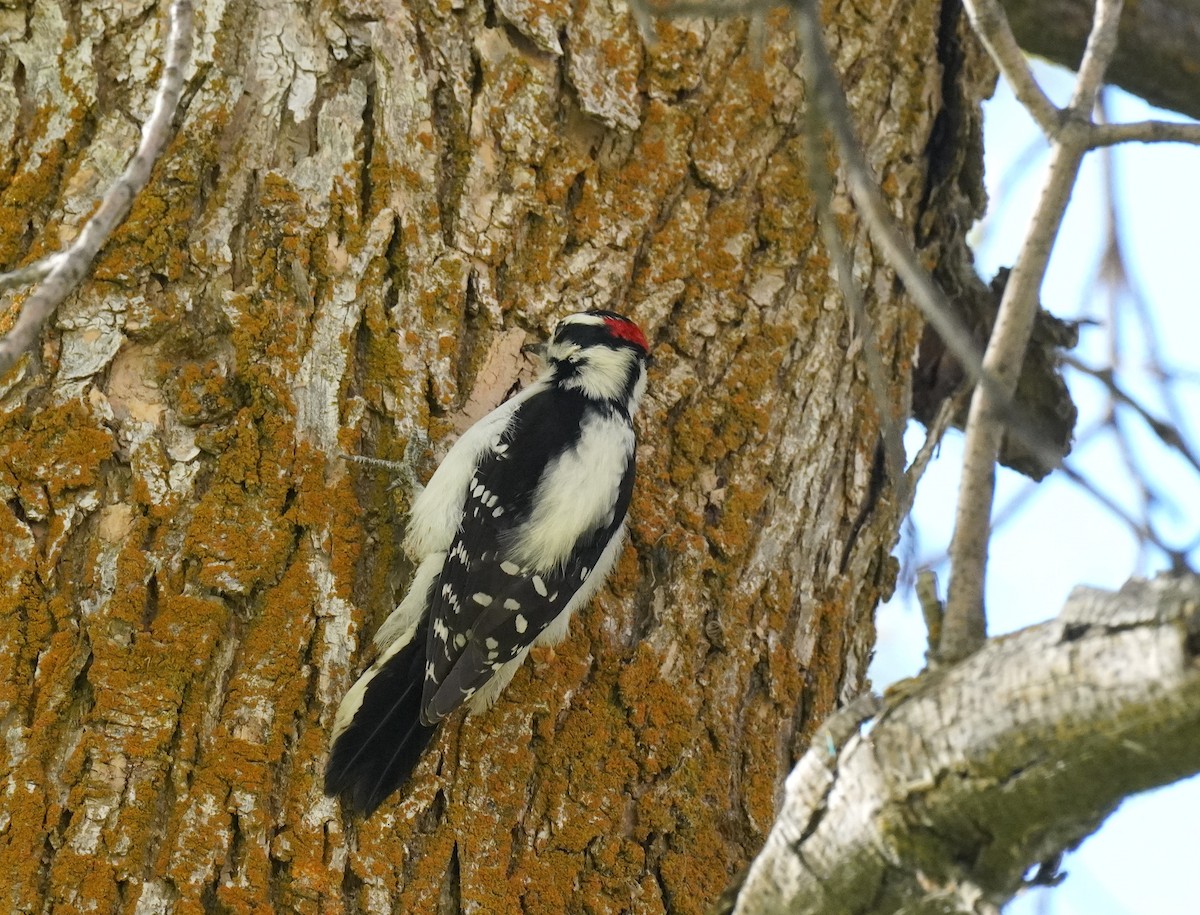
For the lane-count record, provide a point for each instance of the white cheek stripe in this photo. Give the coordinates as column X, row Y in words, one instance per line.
column 603, row 372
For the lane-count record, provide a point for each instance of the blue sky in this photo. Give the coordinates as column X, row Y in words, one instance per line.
column 1143, row 859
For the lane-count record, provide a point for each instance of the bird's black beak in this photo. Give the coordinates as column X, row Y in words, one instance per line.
column 535, row 350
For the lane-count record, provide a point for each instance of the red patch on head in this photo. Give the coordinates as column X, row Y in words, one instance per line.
column 624, row 329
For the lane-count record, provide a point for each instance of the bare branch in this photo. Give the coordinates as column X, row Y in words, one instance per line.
column 1101, row 43
column 30, row 273
column 1145, row 132
column 966, row 622
column 942, row 801
column 864, row 188
column 1156, row 58
column 67, row 269
column 991, row 25
column 965, row 627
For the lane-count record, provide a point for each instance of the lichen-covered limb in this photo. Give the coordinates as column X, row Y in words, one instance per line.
column 971, row 775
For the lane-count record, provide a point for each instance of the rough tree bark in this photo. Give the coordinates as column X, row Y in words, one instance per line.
column 367, row 207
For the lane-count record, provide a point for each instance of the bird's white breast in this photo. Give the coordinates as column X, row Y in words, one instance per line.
column 577, row 493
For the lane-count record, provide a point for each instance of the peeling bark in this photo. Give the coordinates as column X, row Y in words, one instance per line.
column 941, row 797
column 364, row 202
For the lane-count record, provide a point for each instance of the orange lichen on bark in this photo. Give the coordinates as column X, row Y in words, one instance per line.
column 250, row 752
column 58, row 448
column 382, row 367
column 332, row 508
column 238, row 532
column 172, row 662
column 738, row 115
column 199, row 391
column 632, row 194
column 674, row 62
column 29, row 193
column 671, row 251
column 154, row 237
column 269, row 325
column 787, row 220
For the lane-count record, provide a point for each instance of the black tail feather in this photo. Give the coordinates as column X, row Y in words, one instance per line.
column 378, row 751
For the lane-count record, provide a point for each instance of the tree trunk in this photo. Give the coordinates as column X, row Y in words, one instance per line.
column 367, row 209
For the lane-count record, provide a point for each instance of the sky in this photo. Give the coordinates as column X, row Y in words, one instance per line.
column 1143, row 860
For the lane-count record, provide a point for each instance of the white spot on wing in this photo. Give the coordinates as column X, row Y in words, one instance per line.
column 482, row 599
column 522, row 623
column 539, row 585
column 512, row 604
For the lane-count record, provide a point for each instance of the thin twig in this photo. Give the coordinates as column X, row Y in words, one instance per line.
column 934, row 433
column 1015, row 504
column 70, row 266
column 1167, row 433
column 1115, row 276
column 1145, row 132
column 30, row 273
column 842, row 266
column 1141, row 531
column 1108, row 281
column 1101, row 43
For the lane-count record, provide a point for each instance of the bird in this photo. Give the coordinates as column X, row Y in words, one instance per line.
column 515, row 531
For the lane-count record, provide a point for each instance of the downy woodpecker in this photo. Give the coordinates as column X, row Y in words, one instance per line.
column 515, row 530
